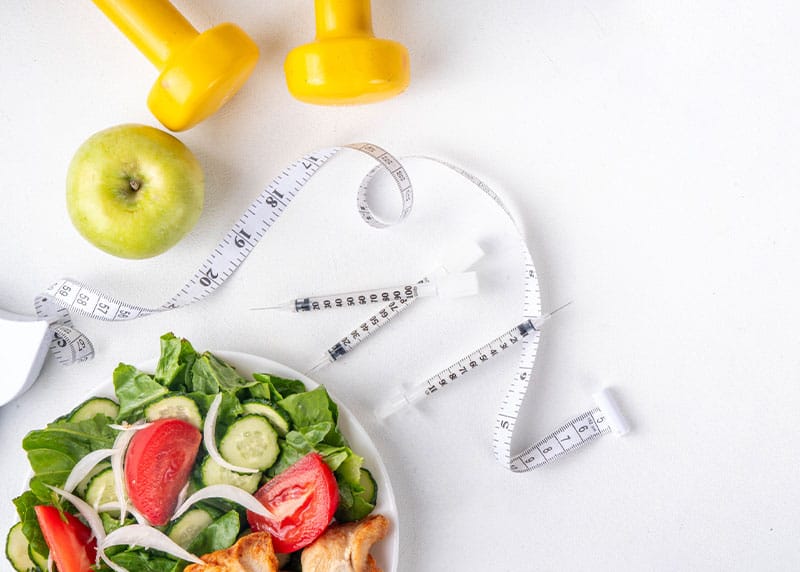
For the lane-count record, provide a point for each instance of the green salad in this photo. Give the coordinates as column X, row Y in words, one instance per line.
column 249, row 430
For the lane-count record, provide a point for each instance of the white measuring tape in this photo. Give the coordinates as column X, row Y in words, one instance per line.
column 581, row 429
column 70, row 345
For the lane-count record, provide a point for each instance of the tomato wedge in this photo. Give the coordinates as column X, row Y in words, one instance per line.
column 303, row 498
column 70, row 541
column 157, row 466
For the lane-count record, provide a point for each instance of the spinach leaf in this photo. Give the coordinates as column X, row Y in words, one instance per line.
column 142, row 560
column 218, row 535
column 30, row 525
column 135, row 390
column 111, row 521
column 54, row 451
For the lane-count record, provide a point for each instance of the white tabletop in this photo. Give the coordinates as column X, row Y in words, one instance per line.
column 650, row 149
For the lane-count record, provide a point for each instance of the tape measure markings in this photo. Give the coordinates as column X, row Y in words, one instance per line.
column 252, row 226
column 511, row 403
column 66, row 294
column 577, row 432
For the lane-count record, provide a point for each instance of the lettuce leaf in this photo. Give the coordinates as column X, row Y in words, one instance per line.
column 315, row 417
column 211, row 375
column 175, row 364
column 310, row 408
column 275, row 388
column 230, row 408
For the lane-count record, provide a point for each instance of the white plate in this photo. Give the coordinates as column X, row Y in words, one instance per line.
column 386, row 552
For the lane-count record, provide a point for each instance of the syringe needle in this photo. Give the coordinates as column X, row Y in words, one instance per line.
column 320, row 364
column 285, row 306
column 539, row 322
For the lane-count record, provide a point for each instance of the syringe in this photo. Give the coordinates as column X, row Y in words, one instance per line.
column 445, row 377
column 445, row 286
column 457, row 260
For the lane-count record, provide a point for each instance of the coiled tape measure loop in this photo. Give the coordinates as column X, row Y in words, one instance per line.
column 585, row 427
column 70, row 345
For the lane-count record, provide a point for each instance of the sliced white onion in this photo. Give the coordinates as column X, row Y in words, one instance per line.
column 227, row 492
column 110, row 506
column 148, row 537
column 50, row 562
column 83, row 467
column 117, row 460
column 183, row 494
column 87, row 512
column 209, row 438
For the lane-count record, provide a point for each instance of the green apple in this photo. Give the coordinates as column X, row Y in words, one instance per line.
column 134, row 190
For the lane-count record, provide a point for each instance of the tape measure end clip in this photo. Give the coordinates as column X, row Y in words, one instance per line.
column 610, row 407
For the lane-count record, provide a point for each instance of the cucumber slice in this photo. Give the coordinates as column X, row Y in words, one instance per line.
column 38, row 559
column 363, row 502
column 101, row 488
column 367, row 481
column 175, row 407
column 17, row 550
column 84, row 484
column 94, row 406
column 250, row 442
column 274, row 414
column 211, row 473
column 189, row 526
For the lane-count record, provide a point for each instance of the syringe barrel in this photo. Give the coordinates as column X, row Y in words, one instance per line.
column 394, row 404
column 355, row 298
column 401, row 400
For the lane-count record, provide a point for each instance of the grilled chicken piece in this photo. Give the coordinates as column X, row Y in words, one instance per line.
column 251, row 553
column 345, row 547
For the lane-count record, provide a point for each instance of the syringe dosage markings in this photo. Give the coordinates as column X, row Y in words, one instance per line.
column 476, row 358
column 349, row 300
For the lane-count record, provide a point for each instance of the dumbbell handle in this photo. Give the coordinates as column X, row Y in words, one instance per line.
column 343, row 19
column 154, row 26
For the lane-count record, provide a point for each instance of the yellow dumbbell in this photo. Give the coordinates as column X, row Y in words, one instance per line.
column 199, row 72
column 346, row 64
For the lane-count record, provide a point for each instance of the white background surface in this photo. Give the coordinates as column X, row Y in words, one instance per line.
column 652, row 151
